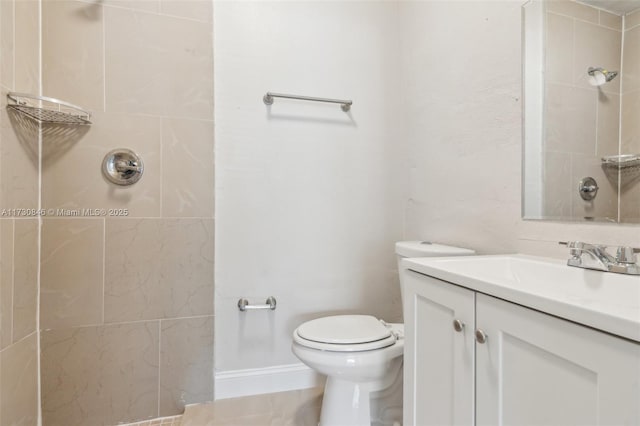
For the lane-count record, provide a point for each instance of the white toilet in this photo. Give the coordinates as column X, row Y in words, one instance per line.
column 361, row 357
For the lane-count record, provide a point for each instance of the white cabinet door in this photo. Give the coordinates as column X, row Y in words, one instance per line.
column 438, row 369
column 535, row 369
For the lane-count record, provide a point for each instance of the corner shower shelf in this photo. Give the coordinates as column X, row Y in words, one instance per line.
column 47, row 110
column 622, row 162
column 623, row 169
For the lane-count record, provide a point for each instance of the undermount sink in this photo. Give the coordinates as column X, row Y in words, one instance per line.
column 606, row 301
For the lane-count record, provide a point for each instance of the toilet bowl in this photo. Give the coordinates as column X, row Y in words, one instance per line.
column 361, row 357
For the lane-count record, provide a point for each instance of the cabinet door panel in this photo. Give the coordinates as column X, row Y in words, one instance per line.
column 536, row 369
column 438, row 368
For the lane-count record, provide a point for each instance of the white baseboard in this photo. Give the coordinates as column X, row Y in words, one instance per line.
column 254, row 381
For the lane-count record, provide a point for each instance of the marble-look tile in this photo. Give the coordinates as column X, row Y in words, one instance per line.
column 630, row 201
column 292, row 408
column 19, row 383
column 71, row 272
column 18, row 159
column 557, row 185
column 139, row 5
column 605, row 205
column 6, row 43
column 188, row 168
column 610, row 20
column 631, row 20
column 596, row 46
column 72, row 175
column 574, row 10
column 158, row 65
column 559, row 49
column 100, row 375
column 631, row 64
column 608, row 136
column 570, row 114
column 296, row 408
column 72, row 52
column 186, row 363
column 27, row 46
column 158, row 268
column 25, row 277
column 6, row 282
column 200, row 10
column 226, row 411
column 630, row 140
column 161, row 421
column 611, row 234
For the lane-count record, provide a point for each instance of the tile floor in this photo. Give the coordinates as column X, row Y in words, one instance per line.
column 163, row 421
column 293, row 408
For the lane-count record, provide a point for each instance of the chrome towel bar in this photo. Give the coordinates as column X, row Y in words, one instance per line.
column 243, row 305
column 345, row 104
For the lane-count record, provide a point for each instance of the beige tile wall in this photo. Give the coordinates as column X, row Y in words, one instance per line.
column 581, row 122
column 19, row 229
column 630, row 129
column 127, row 301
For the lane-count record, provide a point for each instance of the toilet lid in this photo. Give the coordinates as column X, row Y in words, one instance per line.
column 344, row 330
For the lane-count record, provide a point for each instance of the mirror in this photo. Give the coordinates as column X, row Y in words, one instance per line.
column 581, row 80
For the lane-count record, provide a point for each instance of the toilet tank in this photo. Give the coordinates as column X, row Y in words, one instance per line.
column 408, row 249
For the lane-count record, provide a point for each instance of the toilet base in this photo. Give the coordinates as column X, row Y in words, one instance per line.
column 345, row 403
column 362, row 404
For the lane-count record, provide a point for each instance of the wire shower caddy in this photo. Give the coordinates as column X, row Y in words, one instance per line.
column 47, row 110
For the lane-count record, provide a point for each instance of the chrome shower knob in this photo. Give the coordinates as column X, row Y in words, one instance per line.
column 122, row 167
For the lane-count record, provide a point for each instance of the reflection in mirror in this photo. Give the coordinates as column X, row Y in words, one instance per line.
column 581, row 65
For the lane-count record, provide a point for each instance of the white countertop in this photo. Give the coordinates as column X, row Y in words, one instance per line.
column 602, row 300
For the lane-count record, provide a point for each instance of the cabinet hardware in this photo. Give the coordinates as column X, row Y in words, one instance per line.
column 481, row 337
column 458, row 325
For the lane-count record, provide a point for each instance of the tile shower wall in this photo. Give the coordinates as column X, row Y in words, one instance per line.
column 630, row 129
column 127, row 298
column 582, row 121
column 19, row 177
column 472, row 116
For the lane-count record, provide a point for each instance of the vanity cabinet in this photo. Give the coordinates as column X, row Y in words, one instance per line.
column 473, row 359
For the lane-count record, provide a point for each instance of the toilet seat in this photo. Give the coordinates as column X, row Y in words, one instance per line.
column 345, row 333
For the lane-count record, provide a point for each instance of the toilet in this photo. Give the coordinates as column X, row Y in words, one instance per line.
column 361, row 356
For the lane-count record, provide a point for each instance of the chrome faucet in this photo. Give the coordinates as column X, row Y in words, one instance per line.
column 595, row 256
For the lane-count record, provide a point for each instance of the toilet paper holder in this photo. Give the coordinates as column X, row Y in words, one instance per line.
column 270, row 303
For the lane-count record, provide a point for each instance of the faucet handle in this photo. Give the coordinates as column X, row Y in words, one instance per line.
column 626, row 255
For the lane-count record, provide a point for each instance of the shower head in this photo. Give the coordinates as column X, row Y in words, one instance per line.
column 599, row 76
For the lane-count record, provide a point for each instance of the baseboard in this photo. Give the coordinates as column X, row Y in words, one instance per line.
column 254, row 381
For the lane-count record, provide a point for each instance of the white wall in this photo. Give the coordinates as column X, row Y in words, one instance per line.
column 309, row 198
column 461, row 74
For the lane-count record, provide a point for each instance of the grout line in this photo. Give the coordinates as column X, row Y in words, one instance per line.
column 104, row 266
column 40, row 226
column 597, row 24
column 159, row 361
column 14, row 45
column 159, row 13
column 135, row 321
column 622, row 45
column 13, row 277
column 118, row 217
column 161, row 167
column 104, row 58
column 19, row 341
